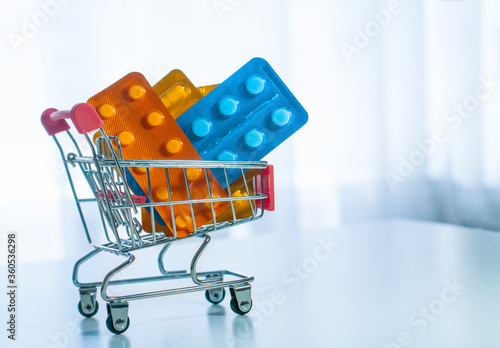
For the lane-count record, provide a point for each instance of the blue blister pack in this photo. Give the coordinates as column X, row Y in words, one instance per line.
column 244, row 118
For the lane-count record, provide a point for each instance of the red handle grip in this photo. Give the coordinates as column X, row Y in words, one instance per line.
column 267, row 187
column 83, row 116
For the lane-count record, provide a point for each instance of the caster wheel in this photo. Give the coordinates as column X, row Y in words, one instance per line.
column 111, row 327
column 215, row 297
column 237, row 309
column 88, row 315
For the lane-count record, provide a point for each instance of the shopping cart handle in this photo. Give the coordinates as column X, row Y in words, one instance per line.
column 84, row 117
column 267, row 187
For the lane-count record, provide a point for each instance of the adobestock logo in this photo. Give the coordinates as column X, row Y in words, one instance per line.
column 293, row 277
column 422, row 318
column 363, row 37
column 453, row 119
column 153, row 73
column 222, row 7
column 32, row 25
column 62, row 339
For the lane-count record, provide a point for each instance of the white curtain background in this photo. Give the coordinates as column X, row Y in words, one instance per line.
column 402, row 123
column 401, row 88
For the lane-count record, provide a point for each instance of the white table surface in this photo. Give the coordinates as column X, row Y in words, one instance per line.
column 381, row 282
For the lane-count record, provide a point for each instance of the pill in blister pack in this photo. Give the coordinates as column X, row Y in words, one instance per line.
column 244, row 118
column 177, row 92
column 243, row 208
column 131, row 110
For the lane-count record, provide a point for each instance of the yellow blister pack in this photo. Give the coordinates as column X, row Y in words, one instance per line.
column 204, row 90
column 177, row 93
column 243, row 208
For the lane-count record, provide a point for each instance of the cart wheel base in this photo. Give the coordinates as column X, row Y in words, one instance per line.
column 241, row 299
column 215, row 296
column 88, row 311
column 112, row 328
column 117, row 321
column 88, row 305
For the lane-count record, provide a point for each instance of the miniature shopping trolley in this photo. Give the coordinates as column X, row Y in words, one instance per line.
column 104, row 170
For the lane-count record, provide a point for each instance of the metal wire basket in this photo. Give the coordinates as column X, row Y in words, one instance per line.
column 105, row 171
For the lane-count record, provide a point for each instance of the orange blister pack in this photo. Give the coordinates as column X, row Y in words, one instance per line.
column 243, row 208
column 131, row 110
column 147, row 225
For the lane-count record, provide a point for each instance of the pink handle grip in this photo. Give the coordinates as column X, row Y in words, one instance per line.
column 84, row 117
column 267, row 187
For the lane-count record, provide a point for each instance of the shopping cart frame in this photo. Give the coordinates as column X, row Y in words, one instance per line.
column 104, row 171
